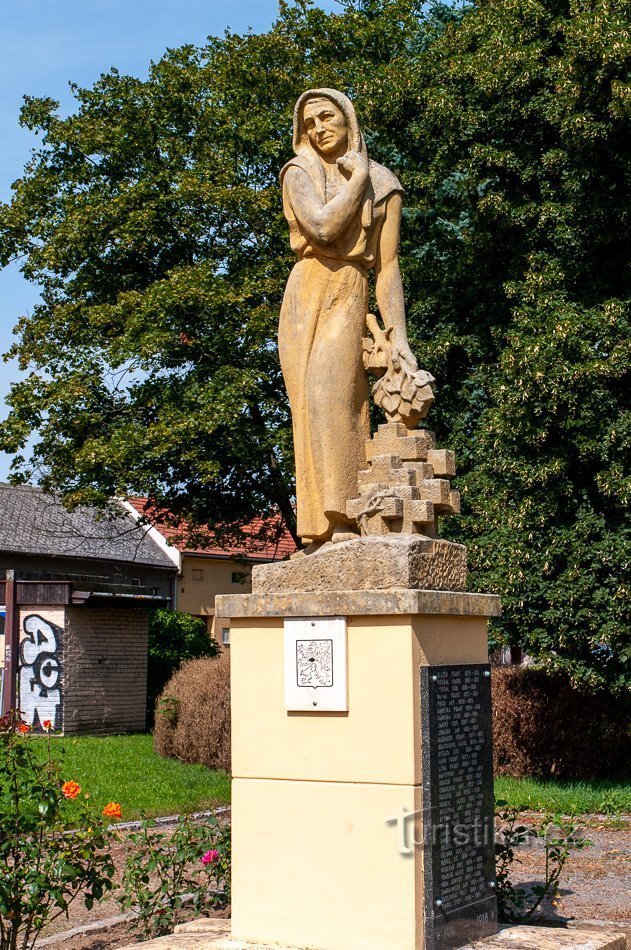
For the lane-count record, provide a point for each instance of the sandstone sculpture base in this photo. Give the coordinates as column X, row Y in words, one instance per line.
column 208, row 934
column 388, row 562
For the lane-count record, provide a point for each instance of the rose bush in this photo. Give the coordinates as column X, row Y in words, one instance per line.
column 53, row 849
column 169, row 870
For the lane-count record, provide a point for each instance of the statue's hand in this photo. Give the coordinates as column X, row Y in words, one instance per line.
column 354, row 164
column 403, row 355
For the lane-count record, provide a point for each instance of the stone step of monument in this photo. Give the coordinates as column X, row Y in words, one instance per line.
column 381, row 468
column 435, row 490
column 454, row 503
column 390, row 507
column 524, row 937
column 414, row 446
column 377, row 563
column 387, row 502
column 391, row 430
column 371, row 488
column 446, row 500
column 416, row 514
column 215, row 935
column 422, row 470
column 443, row 461
column 194, row 935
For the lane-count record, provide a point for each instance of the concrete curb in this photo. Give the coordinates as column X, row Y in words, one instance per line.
column 97, row 926
column 171, row 819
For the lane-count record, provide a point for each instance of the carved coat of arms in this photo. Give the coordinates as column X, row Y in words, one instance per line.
column 314, row 662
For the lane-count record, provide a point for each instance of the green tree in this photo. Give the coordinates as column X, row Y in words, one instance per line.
column 520, row 259
column 173, row 638
column 152, row 219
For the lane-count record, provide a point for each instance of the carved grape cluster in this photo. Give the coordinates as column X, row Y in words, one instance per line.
column 404, row 395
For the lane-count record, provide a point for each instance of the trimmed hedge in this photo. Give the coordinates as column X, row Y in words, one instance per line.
column 543, row 727
column 193, row 714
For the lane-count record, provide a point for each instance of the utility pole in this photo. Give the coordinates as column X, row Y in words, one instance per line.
column 11, row 646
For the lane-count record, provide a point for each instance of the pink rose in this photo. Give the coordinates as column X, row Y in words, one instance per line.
column 210, row 857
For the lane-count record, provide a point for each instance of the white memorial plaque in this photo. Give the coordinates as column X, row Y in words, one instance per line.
column 315, row 665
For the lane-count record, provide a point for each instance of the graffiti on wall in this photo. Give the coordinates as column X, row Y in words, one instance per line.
column 40, row 671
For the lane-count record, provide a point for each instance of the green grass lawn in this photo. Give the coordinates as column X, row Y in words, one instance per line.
column 125, row 769
column 577, row 798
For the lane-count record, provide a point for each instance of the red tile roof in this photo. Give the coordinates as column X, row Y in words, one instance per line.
column 276, row 543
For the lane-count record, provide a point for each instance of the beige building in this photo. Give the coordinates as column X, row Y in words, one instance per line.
column 202, row 577
column 205, row 573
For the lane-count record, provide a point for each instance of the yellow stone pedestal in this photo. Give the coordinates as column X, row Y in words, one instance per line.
column 322, row 857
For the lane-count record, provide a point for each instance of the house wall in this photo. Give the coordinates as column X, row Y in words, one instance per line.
column 41, row 663
column 2, row 625
column 105, row 669
column 83, row 668
column 113, row 572
column 202, row 579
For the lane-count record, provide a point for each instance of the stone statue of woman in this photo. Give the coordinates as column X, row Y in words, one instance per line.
column 344, row 214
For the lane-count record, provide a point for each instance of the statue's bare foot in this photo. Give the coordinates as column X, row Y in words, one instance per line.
column 343, row 534
column 310, row 549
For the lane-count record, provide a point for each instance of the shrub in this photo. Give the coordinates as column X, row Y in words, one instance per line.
column 52, row 848
column 173, row 638
column 544, row 727
column 517, row 904
column 193, row 714
column 168, row 869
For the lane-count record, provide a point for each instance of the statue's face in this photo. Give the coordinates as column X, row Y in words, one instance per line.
column 326, row 127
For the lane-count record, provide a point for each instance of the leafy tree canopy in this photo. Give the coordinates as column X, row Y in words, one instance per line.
column 151, row 217
column 174, row 637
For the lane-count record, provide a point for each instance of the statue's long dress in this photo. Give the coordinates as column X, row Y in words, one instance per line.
column 322, row 323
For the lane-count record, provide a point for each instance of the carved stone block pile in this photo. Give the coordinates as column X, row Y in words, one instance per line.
column 406, row 485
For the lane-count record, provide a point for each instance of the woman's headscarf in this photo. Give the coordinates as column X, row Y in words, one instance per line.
column 308, row 157
column 346, row 107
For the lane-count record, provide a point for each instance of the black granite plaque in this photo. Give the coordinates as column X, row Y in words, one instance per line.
column 458, row 836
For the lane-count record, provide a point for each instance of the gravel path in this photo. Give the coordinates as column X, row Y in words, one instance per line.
column 597, row 881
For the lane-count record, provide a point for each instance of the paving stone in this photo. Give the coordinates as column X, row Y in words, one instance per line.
column 550, row 938
column 215, row 935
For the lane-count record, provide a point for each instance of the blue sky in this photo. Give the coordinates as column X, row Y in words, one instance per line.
column 46, row 43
